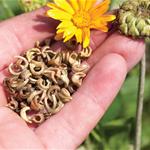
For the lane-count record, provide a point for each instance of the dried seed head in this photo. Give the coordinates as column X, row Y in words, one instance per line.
column 134, row 18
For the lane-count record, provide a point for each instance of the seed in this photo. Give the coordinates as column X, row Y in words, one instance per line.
column 42, row 81
column 38, row 118
column 64, row 95
column 77, row 78
column 86, row 52
column 23, row 114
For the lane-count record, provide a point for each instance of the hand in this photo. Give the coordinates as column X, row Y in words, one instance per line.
column 113, row 56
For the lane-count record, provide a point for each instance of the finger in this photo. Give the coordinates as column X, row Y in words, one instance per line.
column 131, row 50
column 70, row 127
column 15, row 134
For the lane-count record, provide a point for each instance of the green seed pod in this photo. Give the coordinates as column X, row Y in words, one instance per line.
column 30, row 5
column 134, row 18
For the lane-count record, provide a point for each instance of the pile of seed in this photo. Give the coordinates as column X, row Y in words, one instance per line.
column 42, row 81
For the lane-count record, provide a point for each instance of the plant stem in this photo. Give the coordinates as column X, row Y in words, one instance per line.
column 140, row 99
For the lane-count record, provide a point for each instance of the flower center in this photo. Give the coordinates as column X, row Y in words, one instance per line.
column 81, row 19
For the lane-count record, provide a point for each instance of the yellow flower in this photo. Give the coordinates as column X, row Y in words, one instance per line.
column 78, row 17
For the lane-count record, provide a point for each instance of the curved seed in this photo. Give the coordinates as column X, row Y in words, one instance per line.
column 12, row 71
column 30, row 54
column 37, row 68
column 38, row 118
column 51, row 75
column 59, row 107
column 32, row 95
column 24, row 62
column 64, row 77
column 32, row 80
column 51, row 104
column 80, row 68
column 24, row 92
column 43, row 84
column 65, row 56
column 53, row 90
column 13, row 104
column 73, row 58
column 64, row 94
column 12, row 82
column 25, row 74
column 35, row 105
column 21, row 83
column 77, row 78
column 86, row 52
column 22, row 105
column 56, row 60
column 23, row 114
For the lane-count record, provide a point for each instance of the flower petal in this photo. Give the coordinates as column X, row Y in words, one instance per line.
column 70, row 30
column 102, row 28
column 74, row 4
column 89, row 4
column 64, row 5
column 100, row 9
column 86, row 37
column 78, row 35
column 68, row 37
column 65, row 24
column 82, row 4
column 108, row 17
column 69, row 33
column 58, row 14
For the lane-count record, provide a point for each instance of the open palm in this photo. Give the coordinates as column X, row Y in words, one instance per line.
column 113, row 56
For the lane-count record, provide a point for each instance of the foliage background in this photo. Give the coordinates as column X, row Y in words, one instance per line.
column 116, row 129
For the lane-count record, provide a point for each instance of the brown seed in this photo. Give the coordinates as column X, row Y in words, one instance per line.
column 37, row 68
column 35, row 105
column 38, row 118
column 77, row 78
column 13, row 104
column 24, row 115
column 43, row 84
column 80, row 68
column 30, row 54
column 64, row 95
column 32, row 96
column 86, row 52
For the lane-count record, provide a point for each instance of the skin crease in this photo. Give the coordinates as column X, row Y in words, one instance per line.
column 113, row 56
